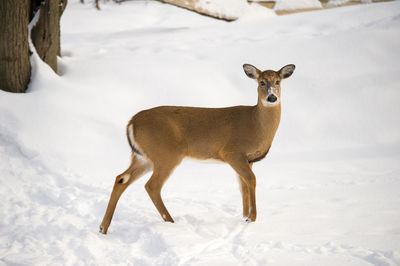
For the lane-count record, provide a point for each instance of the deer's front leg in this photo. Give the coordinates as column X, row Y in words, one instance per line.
column 247, row 178
column 245, row 196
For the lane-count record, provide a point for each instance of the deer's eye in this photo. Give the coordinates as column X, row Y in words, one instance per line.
column 262, row 83
column 277, row 82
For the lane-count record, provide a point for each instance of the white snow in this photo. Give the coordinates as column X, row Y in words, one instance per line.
column 233, row 9
column 327, row 194
column 341, row 2
column 296, row 4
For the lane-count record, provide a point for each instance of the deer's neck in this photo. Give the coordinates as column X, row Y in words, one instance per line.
column 268, row 118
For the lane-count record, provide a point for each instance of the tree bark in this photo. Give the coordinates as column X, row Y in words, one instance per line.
column 46, row 33
column 15, row 68
column 62, row 6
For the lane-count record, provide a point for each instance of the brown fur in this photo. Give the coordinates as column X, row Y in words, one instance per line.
column 238, row 135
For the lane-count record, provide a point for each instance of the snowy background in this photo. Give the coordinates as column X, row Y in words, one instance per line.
column 327, row 194
column 297, row 4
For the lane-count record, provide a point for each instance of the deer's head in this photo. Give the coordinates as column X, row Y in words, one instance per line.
column 269, row 82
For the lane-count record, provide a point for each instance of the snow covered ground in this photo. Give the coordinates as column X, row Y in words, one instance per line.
column 327, row 194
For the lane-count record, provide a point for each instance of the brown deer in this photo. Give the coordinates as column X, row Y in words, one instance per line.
column 240, row 135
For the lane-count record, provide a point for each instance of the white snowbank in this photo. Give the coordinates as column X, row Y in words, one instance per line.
column 296, row 4
column 233, row 9
column 341, row 2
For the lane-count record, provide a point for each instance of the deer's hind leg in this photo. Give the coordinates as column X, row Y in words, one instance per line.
column 156, row 182
column 138, row 167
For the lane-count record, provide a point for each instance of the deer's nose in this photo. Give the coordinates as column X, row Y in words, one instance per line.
column 272, row 98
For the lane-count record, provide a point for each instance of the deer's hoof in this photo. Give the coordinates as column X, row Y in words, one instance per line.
column 167, row 218
column 249, row 220
column 102, row 230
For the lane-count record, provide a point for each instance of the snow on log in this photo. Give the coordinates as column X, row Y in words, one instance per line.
column 228, row 10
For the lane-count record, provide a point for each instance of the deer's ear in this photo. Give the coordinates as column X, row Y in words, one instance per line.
column 286, row 71
column 251, row 71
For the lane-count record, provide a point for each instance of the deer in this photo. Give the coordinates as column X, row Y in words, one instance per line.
column 161, row 137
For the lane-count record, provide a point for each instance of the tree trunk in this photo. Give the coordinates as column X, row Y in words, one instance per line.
column 46, row 33
column 62, row 6
column 15, row 68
